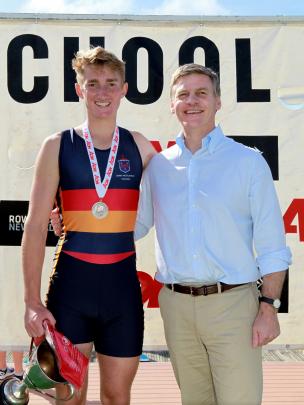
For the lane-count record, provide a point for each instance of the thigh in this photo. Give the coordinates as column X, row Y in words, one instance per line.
column 236, row 366
column 116, row 377
column 73, row 323
column 188, row 354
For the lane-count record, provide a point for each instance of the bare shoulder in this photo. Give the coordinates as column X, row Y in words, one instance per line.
column 53, row 140
column 49, row 151
column 145, row 147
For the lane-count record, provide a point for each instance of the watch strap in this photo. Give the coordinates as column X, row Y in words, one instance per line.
column 275, row 302
column 266, row 299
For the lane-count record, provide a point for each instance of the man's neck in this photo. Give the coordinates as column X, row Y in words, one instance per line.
column 194, row 138
column 101, row 132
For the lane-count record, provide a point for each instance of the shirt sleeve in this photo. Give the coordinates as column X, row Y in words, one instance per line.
column 145, row 213
column 272, row 254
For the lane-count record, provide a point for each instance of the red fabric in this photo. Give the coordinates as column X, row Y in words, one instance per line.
column 99, row 258
column 116, row 199
column 72, row 363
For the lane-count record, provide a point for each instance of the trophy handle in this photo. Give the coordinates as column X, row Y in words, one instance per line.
column 69, row 395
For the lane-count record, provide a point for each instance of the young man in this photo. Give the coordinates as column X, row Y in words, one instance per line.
column 94, row 171
column 211, row 200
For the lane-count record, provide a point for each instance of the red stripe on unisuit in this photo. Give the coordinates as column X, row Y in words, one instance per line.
column 116, row 199
column 99, row 258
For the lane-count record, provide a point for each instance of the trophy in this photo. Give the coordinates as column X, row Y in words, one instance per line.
column 41, row 374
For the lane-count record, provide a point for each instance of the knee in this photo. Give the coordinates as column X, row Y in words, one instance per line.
column 115, row 397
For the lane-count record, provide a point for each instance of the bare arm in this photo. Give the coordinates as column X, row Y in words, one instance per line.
column 144, row 220
column 266, row 325
column 145, row 147
column 45, row 184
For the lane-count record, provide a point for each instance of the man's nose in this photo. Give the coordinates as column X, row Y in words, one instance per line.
column 192, row 98
column 104, row 88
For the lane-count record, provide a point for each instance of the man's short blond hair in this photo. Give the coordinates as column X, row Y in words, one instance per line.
column 97, row 56
column 193, row 68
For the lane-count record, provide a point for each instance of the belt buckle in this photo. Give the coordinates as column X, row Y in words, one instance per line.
column 205, row 290
column 191, row 291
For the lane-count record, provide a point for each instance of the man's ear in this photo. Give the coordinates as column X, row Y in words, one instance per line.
column 124, row 89
column 218, row 104
column 172, row 109
column 78, row 90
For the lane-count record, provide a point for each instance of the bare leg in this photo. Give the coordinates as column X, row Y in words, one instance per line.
column 80, row 395
column 116, row 377
column 2, row 360
column 18, row 362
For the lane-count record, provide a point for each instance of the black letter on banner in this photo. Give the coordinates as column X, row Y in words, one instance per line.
column 14, row 69
column 97, row 41
column 243, row 75
column 212, row 57
column 71, row 46
column 268, row 145
column 155, row 74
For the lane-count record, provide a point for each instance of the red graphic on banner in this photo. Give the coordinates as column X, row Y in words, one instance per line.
column 296, row 209
column 157, row 146
column 149, row 289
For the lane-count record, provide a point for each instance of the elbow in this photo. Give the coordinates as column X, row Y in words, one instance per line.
column 34, row 230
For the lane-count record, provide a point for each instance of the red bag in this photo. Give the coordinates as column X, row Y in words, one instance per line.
column 72, row 363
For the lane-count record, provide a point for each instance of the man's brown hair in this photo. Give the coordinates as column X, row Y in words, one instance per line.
column 191, row 68
column 97, row 56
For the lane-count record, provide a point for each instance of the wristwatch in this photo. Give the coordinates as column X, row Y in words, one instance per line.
column 275, row 302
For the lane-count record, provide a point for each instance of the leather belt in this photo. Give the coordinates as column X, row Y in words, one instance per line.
column 202, row 290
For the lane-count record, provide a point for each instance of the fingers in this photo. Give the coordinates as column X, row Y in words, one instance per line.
column 265, row 328
column 56, row 221
column 34, row 328
column 51, row 319
column 261, row 339
column 255, row 339
column 34, row 318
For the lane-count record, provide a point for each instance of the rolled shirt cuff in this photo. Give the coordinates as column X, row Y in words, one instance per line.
column 274, row 262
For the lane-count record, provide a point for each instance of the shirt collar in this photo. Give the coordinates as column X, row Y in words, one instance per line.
column 209, row 142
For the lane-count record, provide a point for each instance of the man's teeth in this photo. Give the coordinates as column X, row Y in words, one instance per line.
column 193, row 111
column 100, row 104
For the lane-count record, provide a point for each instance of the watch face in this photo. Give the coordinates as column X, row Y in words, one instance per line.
column 276, row 303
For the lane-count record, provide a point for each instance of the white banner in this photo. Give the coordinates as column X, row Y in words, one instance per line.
column 261, row 66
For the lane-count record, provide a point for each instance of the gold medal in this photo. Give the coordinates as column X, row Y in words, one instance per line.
column 100, row 210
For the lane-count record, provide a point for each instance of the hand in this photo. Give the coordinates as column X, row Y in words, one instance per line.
column 34, row 317
column 56, row 221
column 266, row 326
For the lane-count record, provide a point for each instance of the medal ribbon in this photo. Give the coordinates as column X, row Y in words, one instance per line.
column 101, row 186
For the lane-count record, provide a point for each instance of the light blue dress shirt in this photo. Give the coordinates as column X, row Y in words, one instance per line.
column 216, row 213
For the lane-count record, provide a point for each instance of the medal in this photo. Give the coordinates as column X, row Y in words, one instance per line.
column 100, row 210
